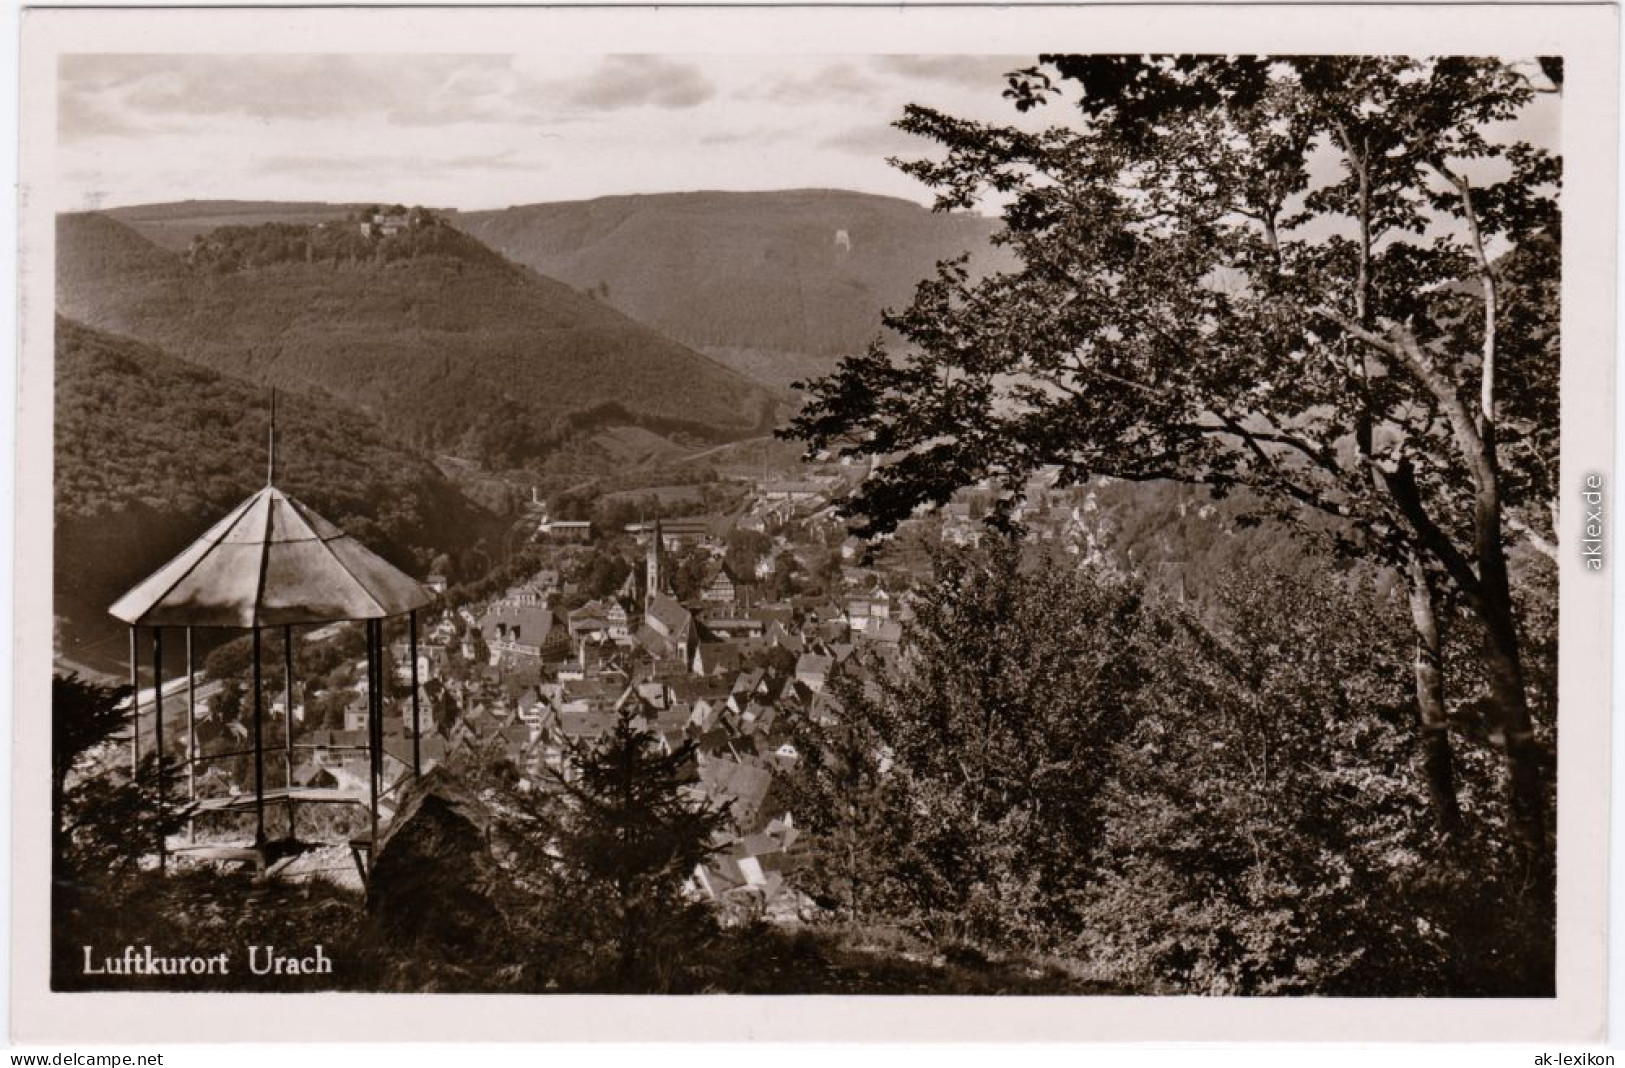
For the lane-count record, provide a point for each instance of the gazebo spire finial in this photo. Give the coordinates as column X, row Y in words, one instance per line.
column 270, row 460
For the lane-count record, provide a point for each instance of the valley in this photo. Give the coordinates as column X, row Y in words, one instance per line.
column 630, row 349
column 424, row 330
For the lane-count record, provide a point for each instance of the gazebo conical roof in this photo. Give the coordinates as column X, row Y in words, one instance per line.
column 271, row 562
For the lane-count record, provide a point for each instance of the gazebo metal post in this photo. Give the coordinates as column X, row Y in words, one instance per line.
column 191, row 734
column 287, row 720
column 374, row 725
column 382, row 675
column 158, row 732
column 135, row 704
column 372, row 693
column 412, row 639
column 259, row 751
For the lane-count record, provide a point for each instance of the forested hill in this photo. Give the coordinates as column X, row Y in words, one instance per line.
column 151, row 451
column 441, row 340
column 95, row 251
column 779, row 284
column 174, row 225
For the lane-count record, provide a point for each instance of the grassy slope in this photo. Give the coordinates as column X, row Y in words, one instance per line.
column 755, row 278
column 433, row 345
column 151, row 451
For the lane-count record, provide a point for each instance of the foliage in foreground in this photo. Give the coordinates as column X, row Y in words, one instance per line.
column 1146, row 797
column 1186, row 806
column 204, row 912
column 602, row 914
column 1198, row 299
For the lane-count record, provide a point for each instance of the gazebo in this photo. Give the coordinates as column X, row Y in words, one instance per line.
column 272, row 562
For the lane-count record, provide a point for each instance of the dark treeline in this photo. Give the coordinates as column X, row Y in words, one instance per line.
column 437, row 337
column 151, row 451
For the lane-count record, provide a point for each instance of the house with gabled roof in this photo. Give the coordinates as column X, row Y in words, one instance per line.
column 590, row 621
column 886, row 633
column 778, row 636
column 825, row 710
column 618, row 621
column 758, row 718
column 807, row 492
column 752, row 871
column 431, row 751
column 748, row 682
column 667, row 617
column 734, row 626
column 723, row 588
column 812, row 670
column 703, row 714
column 743, row 788
column 523, row 629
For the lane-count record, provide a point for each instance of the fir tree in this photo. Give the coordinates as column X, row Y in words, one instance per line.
column 83, row 715
column 630, row 845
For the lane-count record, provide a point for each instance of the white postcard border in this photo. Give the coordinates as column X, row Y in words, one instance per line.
column 1585, row 34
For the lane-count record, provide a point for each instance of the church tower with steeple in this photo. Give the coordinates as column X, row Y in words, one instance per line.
column 656, row 544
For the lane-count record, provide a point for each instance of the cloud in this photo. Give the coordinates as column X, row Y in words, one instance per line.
column 85, row 116
column 495, row 161
column 641, row 81
column 875, row 141
column 328, row 165
column 969, row 72
column 834, row 80
column 757, row 136
column 371, row 165
column 108, row 94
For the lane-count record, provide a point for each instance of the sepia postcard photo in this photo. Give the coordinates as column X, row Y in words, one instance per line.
column 956, row 523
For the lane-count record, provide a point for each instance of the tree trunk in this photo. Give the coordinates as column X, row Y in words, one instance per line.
column 1526, row 792
column 1488, row 589
column 1433, row 721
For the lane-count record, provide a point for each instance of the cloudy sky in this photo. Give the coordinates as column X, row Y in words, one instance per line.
column 476, row 131
column 480, row 131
